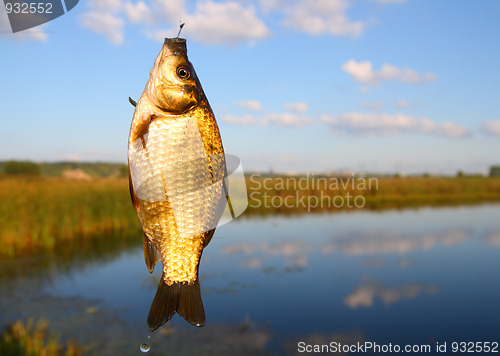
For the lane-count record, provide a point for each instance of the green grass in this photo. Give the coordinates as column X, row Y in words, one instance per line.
column 46, row 213
column 32, row 338
column 39, row 212
column 305, row 194
column 56, row 169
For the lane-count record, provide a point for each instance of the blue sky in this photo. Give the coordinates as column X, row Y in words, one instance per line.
column 298, row 85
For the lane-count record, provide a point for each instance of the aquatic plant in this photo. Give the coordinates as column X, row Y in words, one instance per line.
column 32, row 338
column 42, row 212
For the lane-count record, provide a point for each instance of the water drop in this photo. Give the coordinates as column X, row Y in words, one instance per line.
column 145, row 347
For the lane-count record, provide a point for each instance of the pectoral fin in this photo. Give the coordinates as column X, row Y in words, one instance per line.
column 151, row 254
column 135, row 200
column 208, row 237
column 182, row 298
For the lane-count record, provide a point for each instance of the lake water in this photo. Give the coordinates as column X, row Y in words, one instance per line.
column 276, row 285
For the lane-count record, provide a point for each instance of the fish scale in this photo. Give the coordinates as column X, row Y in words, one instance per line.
column 177, row 171
column 170, row 144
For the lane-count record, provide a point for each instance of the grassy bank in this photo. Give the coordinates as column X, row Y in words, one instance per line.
column 32, row 338
column 38, row 213
column 302, row 194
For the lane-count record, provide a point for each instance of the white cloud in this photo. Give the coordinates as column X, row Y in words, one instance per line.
column 106, row 24
column 252, row 105
column 104, row 18
column 225, row 23
column 286, row 119
column 392, row 124
column 239, row 120
column 35, row 33
column 402, row 104
column 158, row 35
column 154, row 13
column 491, row 127
column 268, row 6
column 364, row 73
column 210, row 23
column 140, row 12
column 280, row 119
column 297, row 107
column 106, row 5
column 316, row 17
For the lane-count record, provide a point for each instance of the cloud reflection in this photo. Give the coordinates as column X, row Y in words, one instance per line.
column 251, row 263
column 362, row 243
column 294, row 253
column 364, row 294
column 244, row 248
column 286, row 248
column 492, row 239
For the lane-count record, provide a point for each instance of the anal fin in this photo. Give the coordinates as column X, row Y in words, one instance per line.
column 151, row 254
column 182, row 298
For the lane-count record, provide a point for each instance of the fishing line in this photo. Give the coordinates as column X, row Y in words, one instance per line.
column 181, row 24
column 181, row 4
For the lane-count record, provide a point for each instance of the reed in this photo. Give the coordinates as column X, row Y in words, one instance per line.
column 41, row 212
column 45, row 213
column 32, row 338
column 303, row 194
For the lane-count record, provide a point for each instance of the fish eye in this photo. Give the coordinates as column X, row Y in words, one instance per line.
column 183, row 72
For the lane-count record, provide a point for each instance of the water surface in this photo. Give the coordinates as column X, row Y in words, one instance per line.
column 421, row 277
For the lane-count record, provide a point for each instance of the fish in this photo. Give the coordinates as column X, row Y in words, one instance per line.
column 177, row 180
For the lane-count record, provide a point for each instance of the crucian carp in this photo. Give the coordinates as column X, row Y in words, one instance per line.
column 177, row 179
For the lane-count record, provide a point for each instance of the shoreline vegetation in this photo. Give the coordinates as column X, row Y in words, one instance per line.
column 33, row 338
column 38, row 213
column 304, row 194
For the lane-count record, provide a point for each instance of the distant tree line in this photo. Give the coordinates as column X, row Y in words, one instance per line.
column 112, row 169
column 22, row 168
column 56, row 169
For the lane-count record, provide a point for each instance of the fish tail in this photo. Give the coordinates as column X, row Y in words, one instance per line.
column 181, row 298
